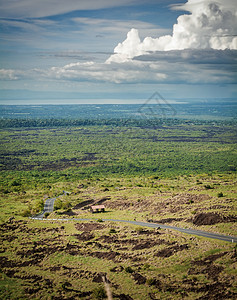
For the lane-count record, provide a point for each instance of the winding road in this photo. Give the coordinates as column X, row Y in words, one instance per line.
column 48, row 208
column 49, row 204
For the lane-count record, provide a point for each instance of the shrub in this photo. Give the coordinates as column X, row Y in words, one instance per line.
column 15, row 183
column 112, row 230
column 26, row 213
column 139, row 229
column 219, row 195
column 5, row 191
column 66, row 205
column 46, row 214
column 38, row 206
column 151, row 281
column 100, row 220
column 208, row 187
column 146, row 266
column 99, row 293
column 58, row 204
column 128, row 269
column 65, row 285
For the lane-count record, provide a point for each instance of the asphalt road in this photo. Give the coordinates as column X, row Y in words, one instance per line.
column 183, row 230
column 48, row 208
column 49, row 205
column 226, row 238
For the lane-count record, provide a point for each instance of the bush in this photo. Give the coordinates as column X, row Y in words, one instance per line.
column 232, row 168
column 112, row 230
column 66, row 205
column 208, row 187
column 128, row 269
column 139, row 229
column 151, row 281
column 146, row 266
column 219, row 195
column 38, row 206
column 58, row 204
column 26, row 213
column 65, row 285
column 99, row 293
column 100, row 220
column 15, row 183
column 46, row 214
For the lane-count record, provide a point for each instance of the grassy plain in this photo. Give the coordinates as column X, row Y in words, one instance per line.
column 182, row 174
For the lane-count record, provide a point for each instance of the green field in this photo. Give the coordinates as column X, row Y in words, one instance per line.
column 70, row 153
column 174, row 172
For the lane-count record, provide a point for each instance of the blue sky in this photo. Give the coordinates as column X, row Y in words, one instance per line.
column 108, row 51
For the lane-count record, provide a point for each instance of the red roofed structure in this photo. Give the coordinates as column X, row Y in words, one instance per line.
column 97, row 208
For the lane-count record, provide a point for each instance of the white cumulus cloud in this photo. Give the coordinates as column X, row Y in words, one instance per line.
column 208, row 25
column 9, row 74
column 163, row 67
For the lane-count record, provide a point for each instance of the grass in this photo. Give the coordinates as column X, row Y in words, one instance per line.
column 41, row 258
column 180, row 198
column 60, row 266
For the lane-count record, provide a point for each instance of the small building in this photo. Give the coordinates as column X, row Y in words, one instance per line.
column 97, row 208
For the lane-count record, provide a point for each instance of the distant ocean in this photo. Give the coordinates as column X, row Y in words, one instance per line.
column 209, row 110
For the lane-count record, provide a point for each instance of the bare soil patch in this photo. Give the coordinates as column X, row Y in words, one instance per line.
column 68, row 213
column 206, row 266
column 139, row 279
column 89, row 226
column 211, row 219
column 83, row 204
column 102, row 200
column 167, row 252
column 207, row 219
column 168, row 220
column 85, row 236
column 105, row 255
column 186, row 198
column 144, row 245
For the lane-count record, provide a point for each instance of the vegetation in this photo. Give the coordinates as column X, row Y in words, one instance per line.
column 171, row 171
column 65, row 260
column 99, row 293
column 117, row 122
column 45, row 156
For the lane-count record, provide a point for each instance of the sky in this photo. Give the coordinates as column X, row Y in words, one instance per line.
column 110, row 51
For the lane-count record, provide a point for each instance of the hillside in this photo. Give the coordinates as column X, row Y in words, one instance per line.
column 177, row 174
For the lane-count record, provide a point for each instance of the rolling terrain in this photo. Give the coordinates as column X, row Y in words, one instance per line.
column 173, row 172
